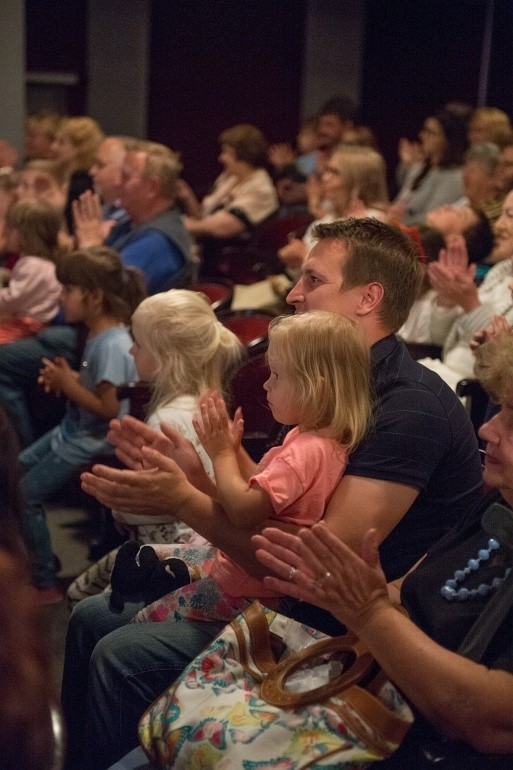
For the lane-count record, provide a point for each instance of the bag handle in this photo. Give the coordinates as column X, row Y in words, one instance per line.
column 259, row 641
column 361, row 662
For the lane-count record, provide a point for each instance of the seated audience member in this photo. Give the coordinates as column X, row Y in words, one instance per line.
column 464, row 719
column 335, row 120
column 354, row 183
column 154, row 239
column 292, row 483
column 369, row 272
column 488, row 124
column 243, row 195
column 307, row 142
column 40, row 130
column 74, row 149
column 106, row 175
column 155, row 242
column 100, row 293
column 460, row 308
column 30, row 301
column 42, row 179
column 477, row 209
column 438, row 179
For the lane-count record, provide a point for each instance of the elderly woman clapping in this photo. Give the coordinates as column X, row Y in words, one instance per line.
column 463, row 692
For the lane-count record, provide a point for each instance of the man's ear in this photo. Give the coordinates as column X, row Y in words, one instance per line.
column 370, row 299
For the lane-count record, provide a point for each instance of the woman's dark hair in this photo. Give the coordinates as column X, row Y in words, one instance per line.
column 454, row 126
column 99, row 267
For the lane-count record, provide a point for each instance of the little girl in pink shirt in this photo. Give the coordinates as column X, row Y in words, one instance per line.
column 31, row 299
column 319, row 381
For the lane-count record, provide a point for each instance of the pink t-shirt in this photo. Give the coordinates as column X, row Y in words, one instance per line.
column 300, row 477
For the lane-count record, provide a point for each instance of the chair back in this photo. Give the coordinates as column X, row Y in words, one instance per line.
column 219, row 294
column 251, row 328
column 247, row 391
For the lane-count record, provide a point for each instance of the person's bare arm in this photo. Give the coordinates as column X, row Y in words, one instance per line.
column 463, row 699
column 57, row 376
column 359, row 503
column 165, row 491
column 222, row 224
column 244, row 505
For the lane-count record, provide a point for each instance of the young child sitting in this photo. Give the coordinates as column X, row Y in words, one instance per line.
column 319, row 381
column 31, row 298
column 101, row 293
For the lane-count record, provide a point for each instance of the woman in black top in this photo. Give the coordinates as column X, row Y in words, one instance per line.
column 463, row 693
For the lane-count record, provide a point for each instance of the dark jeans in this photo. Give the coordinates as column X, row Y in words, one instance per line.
column 113, row 670
column 20, row 363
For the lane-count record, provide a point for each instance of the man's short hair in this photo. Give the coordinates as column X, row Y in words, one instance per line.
column 378, row 253
column 160, row 162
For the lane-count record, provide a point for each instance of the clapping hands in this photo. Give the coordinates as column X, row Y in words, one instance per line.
column 452, row 276
column 54, row 375
column 214, row 428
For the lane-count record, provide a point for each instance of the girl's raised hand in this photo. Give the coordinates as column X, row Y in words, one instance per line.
column 213, row 425
column 237, row 427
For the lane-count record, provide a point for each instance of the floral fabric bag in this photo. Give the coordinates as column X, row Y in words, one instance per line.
column 234, row 706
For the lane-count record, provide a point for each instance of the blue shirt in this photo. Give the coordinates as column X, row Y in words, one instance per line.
column 82, row 434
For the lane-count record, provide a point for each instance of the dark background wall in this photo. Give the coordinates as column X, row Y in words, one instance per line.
column 420, row 55
column 216, row 64
column 213, row 64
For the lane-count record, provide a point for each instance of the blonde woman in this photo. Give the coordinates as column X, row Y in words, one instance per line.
column 74, row 149
column 354, row 183
column 319, row 382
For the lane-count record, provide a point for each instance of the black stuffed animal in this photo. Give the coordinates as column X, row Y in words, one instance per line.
column 139, row 575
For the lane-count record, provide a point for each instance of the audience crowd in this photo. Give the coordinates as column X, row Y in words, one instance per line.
column 370, row 438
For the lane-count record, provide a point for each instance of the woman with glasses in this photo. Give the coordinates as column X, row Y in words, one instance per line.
column 354, row 185
column 438, row 178
column 452, row 654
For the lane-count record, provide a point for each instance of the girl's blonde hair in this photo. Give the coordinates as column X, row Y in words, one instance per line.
column 364, row 172
column 99, row 267
column 38, row 224
column 85, row 135
column 193, row 350
column 328, row 361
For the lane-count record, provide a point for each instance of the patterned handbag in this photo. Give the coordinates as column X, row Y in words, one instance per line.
column 231, row 707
